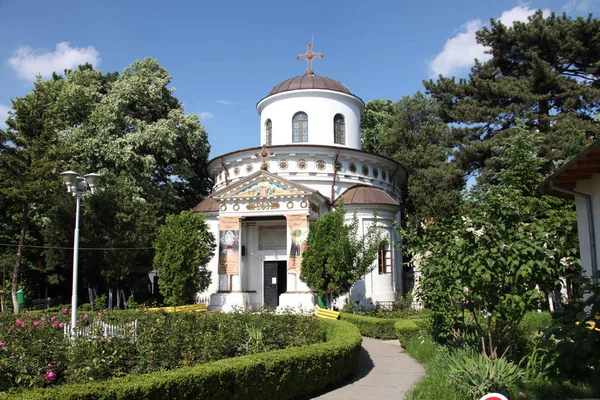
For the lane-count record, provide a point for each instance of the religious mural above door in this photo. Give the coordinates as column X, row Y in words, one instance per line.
column 263, row 185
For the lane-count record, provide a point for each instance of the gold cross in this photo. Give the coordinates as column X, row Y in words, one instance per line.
column 264, row 154
column 309, row 55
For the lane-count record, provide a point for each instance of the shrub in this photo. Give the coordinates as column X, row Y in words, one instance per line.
column 406, row 329
column 378, row 328
column 280, row 374
column 479, row 375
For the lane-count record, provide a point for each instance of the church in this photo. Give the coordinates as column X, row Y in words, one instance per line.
column 264, row 198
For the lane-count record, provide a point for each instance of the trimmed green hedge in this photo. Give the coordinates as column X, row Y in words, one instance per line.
column 280, row 374
column 406, row 329
column 378, row 328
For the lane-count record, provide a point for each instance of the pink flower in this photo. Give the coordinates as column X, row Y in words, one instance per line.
column 99, row 315
column 54, row 325
column 18, row 321
column 36, row 323
column 1, row 344
column 85, row 316
column 61, row 325
column 43, row 319
column 65, row 310
column 29, row 315
column 50, row 376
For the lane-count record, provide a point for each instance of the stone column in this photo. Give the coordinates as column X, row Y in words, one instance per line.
column 237, row 279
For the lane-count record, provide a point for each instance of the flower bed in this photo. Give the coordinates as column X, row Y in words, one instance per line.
column 281, row 374
column 34, row 351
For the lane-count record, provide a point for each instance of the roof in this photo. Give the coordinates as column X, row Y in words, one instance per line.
column 207, row 205
column 361, row 194
column 309, row 82
column 579, row 168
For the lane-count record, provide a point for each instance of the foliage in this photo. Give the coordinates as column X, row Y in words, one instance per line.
column 378, row 328
column 133, row 131
column 406, row 329
column 35, row 344
column 578, row 340
column 184, row 245
column 411, row 132
column 485, row 270
column 479, row 375
column 544, row 71
column 336, row 256
column 403, row 308
column 284, row 374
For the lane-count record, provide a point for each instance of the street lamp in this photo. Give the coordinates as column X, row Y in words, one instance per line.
column 77, row 186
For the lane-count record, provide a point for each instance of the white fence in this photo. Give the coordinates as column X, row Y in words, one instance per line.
column 98, row 328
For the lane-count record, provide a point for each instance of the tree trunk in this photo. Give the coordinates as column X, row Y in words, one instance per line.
column 15, row 277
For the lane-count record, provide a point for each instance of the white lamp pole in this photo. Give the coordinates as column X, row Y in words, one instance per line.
column 77, row 186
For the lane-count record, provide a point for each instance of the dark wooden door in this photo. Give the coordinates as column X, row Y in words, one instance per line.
column 270, row 284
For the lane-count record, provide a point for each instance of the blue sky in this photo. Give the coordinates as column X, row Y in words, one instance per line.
column 225, row 56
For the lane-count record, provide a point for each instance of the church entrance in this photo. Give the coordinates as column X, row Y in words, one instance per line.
column 275, row 281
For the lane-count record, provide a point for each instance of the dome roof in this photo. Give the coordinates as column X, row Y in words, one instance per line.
column 359, row 194
column 309, row 82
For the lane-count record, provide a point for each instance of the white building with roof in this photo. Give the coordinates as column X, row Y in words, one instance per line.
column 264, row 198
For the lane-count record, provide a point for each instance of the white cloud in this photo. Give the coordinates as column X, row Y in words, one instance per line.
column 580, row 6
column 205, row 115
column 227, row 103
column 28, row 62
column 3, row 115
column 460, row 51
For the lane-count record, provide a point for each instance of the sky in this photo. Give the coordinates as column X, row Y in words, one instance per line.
column 224, row 56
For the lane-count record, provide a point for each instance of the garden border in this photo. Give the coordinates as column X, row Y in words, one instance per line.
column 281, row 374
column 384, row 328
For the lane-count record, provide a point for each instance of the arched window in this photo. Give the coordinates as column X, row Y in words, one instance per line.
column 269, row 131
column 300, row 127
column 339, row 129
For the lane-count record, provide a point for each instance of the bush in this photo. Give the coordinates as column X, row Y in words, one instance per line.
column 281, row 374
column 479, row 375
column 406, row 329
column 34, row 345
column 378, row 328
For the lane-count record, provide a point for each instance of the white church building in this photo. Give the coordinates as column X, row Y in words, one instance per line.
column 264, row 198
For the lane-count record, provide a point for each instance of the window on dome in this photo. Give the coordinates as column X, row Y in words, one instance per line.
column 339, row 129
column 269, row 131
column 300, row 127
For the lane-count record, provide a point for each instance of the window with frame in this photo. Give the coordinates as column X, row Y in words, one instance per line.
column 269, row 132
column 339, row 129
column 300, row 127
column 385, row 259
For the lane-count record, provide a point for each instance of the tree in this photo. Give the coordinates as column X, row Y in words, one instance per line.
column 184, row 245
column 544, row 71
column 412, row 133
column 29, row 162
column 336, row 256
column 503, row 256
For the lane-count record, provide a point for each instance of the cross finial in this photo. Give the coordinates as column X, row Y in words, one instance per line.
column 264, row 153
column 309, row 55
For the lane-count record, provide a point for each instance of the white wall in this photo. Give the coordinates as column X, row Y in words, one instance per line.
column 321, row 106
column 591, row 187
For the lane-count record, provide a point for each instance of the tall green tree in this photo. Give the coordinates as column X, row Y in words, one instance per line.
column 30, row 158
column 545, row 71
column 411, row 132
column 336, row 256
column 502, row 256
column 184, row 245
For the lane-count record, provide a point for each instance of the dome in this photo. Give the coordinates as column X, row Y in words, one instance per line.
column 309, row 82
column 360, row 195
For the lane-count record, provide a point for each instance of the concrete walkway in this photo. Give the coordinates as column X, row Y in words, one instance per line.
column 385, row 372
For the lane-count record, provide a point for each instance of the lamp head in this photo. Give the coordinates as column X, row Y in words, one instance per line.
column 69, row 178
column 92, row 180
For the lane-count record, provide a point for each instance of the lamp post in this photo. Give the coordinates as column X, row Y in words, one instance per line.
column 77, row 186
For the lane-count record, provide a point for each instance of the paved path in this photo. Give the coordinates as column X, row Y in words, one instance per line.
column 385, row 372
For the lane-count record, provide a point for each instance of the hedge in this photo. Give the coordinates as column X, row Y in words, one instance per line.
column 378, row 328
column 280, row 374
column 406, row 329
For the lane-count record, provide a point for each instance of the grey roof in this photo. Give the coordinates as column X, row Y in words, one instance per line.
column 309, row 82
